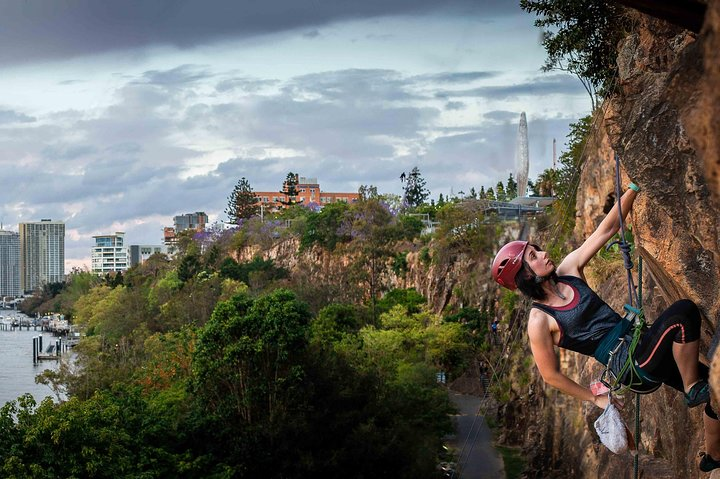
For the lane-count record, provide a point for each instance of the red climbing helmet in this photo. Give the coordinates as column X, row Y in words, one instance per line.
column 507, row 263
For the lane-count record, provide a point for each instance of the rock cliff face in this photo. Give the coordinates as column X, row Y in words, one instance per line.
column 704, row 120
column 662, row 120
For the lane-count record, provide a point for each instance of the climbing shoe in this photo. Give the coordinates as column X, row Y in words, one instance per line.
column 699, row 394
column 707, row 463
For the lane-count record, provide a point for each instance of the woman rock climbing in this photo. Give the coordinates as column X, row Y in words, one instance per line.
column 567, row 313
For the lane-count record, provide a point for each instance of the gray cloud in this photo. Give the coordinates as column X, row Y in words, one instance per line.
column 67, row 152
column 502, row 115
column 70, row 82
column 176, row 76
column 356, row 85
column 35, row 30
column 456, row 77
column 455, row 105
column 539, row 86
column 10, row 116
column 248, row 85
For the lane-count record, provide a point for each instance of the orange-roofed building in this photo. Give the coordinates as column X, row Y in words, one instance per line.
column 308, row 191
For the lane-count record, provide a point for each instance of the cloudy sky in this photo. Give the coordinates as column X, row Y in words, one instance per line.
column 116, row 116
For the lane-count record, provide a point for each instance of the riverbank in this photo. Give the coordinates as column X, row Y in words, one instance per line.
column 17, row 371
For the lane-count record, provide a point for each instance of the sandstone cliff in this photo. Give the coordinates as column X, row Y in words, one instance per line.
column 662, row 119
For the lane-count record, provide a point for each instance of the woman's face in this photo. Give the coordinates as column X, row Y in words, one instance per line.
column 538, row 260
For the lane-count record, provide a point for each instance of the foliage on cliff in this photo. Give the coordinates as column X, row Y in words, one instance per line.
column 206, row 366
column 580, row 37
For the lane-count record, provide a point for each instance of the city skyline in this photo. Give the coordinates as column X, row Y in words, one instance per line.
column 120, row 125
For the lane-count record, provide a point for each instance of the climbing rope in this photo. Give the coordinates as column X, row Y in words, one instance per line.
column 622, row 243
column 635, row 295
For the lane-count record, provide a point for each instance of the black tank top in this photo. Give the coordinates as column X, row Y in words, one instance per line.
column 585, row 320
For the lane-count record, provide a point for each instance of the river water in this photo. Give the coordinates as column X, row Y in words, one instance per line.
column 17, row 371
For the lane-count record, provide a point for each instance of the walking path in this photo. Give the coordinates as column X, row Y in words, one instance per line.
column 479, row 458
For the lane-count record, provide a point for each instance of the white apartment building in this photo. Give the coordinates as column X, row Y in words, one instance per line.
column 9, row 264
column 109, row 254
column 42, row 253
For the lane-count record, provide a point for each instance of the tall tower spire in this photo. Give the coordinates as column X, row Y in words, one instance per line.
column 522, row 161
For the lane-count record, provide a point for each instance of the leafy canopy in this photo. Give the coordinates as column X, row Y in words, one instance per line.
column 580, row 37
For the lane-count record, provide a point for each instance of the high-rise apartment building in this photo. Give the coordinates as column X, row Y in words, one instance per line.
column 42, row 253
column 9, row 264
column 109, row 254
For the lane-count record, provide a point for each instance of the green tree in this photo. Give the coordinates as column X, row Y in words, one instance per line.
column 415, row 191
column 112, row 434
column 511, row 188
column 189, row 266
column 373, row 230
column 367, row 192
column 409, row 298
column 580, row 37
column 242, row 203
column 337, row 321
column 256, row 273
column 500, row 192
column 290, row 190
column 323, row 228
column 545, row 184
column 246, row 361
column 490, row 194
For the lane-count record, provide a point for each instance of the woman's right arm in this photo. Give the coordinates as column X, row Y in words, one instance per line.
column 574, row 262
column 543, row 352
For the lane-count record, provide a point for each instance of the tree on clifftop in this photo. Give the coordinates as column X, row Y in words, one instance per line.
column 580, row 37
column 242, row 203
column 511, row 191
column 290, row 190
column 415, row 191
